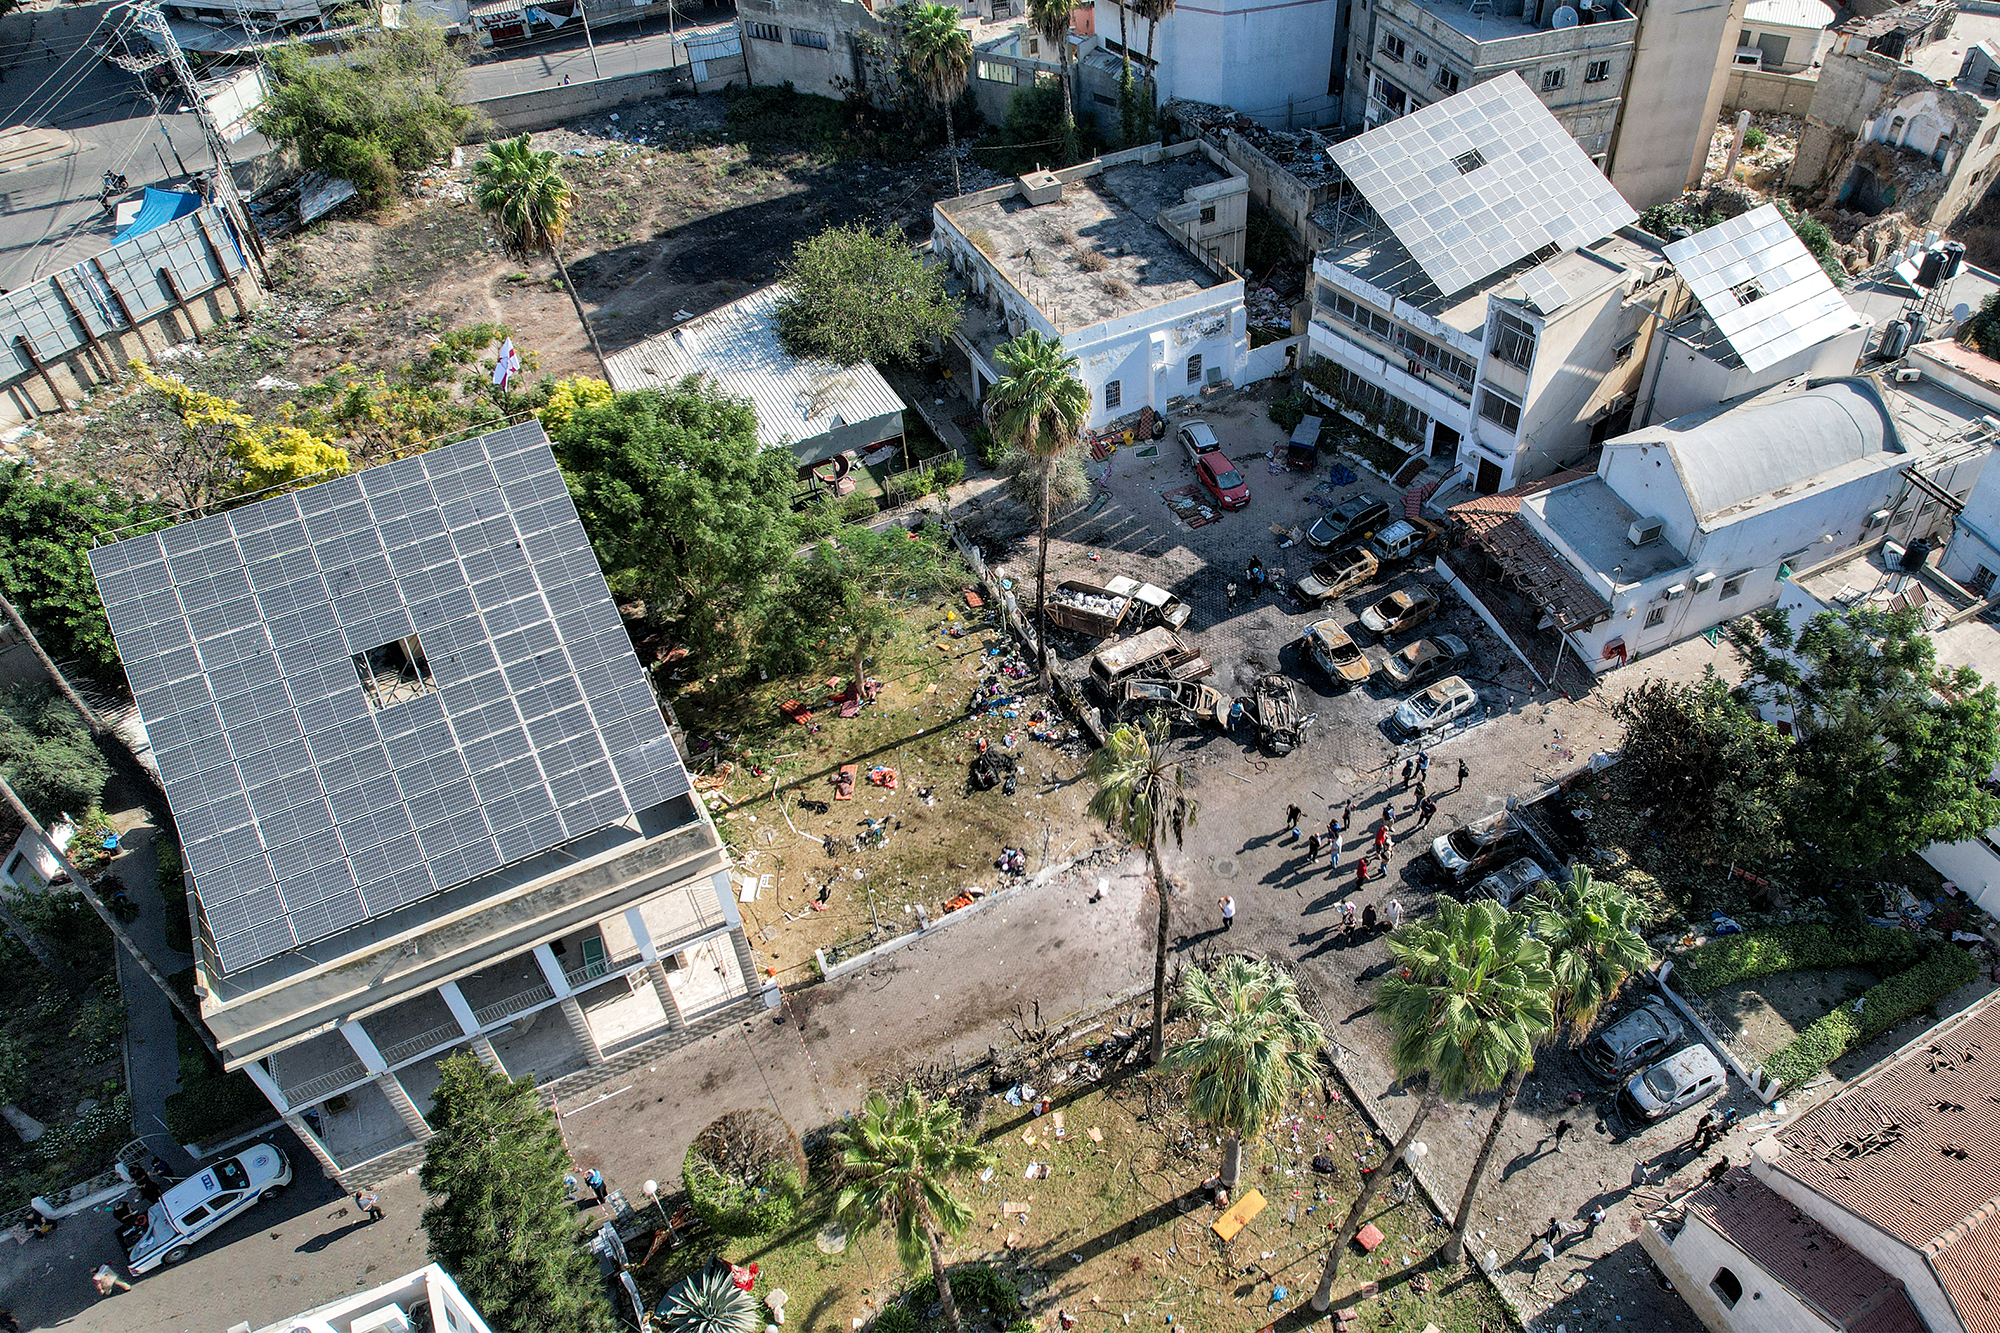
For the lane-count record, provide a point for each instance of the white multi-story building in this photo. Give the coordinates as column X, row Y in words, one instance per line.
column 1131, row 259
column 425, row 1299
column 1271, row 60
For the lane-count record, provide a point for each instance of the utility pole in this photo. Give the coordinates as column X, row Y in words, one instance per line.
column 595, row 72
column 61, row 682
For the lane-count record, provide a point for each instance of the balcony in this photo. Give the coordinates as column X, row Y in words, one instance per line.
column 519, row 1002
column 445, row 1034
column 599, row 967
column 314, row 1070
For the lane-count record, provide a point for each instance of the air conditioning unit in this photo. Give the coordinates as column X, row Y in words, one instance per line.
column 1878, row 519
column 1643, row 530
column 388, row 1319
column 1675, row 593
column 1703, row 582
column 1909, row 376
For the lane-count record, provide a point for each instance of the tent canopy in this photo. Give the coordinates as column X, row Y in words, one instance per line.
column 160, row 208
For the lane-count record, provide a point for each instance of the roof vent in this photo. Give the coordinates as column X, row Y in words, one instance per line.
column 1644, row 530
column 1041, row 187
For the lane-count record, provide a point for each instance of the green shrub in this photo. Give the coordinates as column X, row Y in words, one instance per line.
column 211, row 1105
column 1755, row 138
column 856, row 507
column 949, row 473
column 1882, row 1007
column 973, row 1287
column 171, row 877
column 731, row 1208
column 896, row 1317
column 1287, row 412
column 1766, row 952
column 984, row 447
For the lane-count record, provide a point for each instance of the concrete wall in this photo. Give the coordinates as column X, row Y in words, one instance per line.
column 1261, row 363
column 1673, row 98
column 540, row 108
column 1802, row 47
column 1690, row 1261
column 1746, row 89
column 1274, row 186
column 1688, row 381
column 849, row 63
column 1271, row 60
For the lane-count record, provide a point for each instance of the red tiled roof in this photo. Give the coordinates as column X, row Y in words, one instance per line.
column 1843, row 1282
column 1483, row 512
column 1914, row 1149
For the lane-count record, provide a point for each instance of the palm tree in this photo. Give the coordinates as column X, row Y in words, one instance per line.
column 708, row 1302
column 1051, row 19
column 938, row 55
column 1256, row 1045
column 899, row 1161
column 1153, row 11
column 530, row 202
column 1469, row 1002
column 1041, row 405
column 1141, row 793
column 1593, row 941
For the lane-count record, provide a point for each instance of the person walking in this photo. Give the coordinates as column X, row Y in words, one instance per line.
column 1395, row 911
column 1596, row 1217
column 1347, row 918
column 1361, row 874
column 1562, row 1128
column 1426, row 810
column 1423, row 763
column 1228, row 906
column 1312, row 848
column 1420, row 794
column 1699, row 1140
column 1347, row 813
column 367, row 1202
column 1463, row 774
column 1409, row 768
column 1388, row 813
column 595, row 1179
column 1292, row 813
column 1370, row 921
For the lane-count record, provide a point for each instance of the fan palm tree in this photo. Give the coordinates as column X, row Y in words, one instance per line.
column 1041, row 406
column 1469, row 1002
column 899, row 1159
column 1591, row 930
column 1141, row 793
column 1050, row 20
column 937, row 53
column 1154, row 12
column 529, row 201
column 1255, row 1046
column 708, row 1302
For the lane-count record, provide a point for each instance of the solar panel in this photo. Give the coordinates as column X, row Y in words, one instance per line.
column 1493, row 177
column 310, row 800
column 1543, row 290
column 1766, row 293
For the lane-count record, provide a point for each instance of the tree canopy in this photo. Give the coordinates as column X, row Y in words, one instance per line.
column 841, row 601
column 48, row 755
column 682, row 507
column 501, row 1221
column 1711, row 774
column 46, row 530
column 388, row 105
column 861, row 295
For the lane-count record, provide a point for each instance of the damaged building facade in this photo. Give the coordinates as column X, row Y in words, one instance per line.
column 1902, row 119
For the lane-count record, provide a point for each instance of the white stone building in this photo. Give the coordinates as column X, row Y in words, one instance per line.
column 425, row 1299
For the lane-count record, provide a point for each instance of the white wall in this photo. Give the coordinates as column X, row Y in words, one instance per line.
column 1691, row 1261
column 1885, row 1251
column 1687, row 381
column 1268, row 59
column 1975, row 539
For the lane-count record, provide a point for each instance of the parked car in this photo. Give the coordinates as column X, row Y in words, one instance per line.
column 1185, row 701
column 1401, row 611
column 1634, row 1041
column 1470, row 848
column 1354, row 520
column 1349, row 567
column 1443, row 703
column 1198, row 438
column 1337, row 653
column 1405, row 538
column 1426, row 659
column 1511, row 883
column 1219, row 477
column 1687, row 1076
column 203, row 1202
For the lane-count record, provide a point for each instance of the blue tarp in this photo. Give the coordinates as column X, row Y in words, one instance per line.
column 160, row 208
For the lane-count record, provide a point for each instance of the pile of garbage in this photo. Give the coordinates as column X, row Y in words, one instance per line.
column 1304, row 153
column 1269, row 309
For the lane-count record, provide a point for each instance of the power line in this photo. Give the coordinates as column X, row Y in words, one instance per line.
column 59, row 68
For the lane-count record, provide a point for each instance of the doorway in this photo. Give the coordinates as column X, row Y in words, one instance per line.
column 1487, row 480
column 1444, row 441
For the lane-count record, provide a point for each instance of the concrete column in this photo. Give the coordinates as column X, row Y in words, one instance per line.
column 725, row 897
column 268, row 1086
column 580, row 1026
column 461, row 1011
column 635, row 921
column 552, row 970
column 313, row 1145
column 364, row 1046
column 745, row 960
column 406, row 1110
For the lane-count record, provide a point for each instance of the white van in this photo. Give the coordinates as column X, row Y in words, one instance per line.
column 203, row 1202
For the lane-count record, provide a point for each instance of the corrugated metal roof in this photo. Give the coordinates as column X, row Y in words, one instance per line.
column 1812, row 1261
column 1790, row 13
column 1914, row 1149
column 796, row 398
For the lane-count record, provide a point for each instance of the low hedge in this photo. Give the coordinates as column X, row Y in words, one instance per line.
column 1883, row 1006
column 1774, row 949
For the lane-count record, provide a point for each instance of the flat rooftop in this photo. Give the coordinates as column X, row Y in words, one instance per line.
column 1866, row 579
column 1593, row 522
column 1095, row 254
column 1493, row 27
column 1941, row 60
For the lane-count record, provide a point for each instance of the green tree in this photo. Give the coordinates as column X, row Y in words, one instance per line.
column 1889, row 751
column 1142, row 793
column 389, row 104
column 846, row 596
column 1155, row 12
column 1031, row 134
column 1040, row 406
column 47, row 528
column 1704, row 773
column 708, row 1302
column 858, row 295
column 1982, row 331
column 1591, row 932
column 501, row 1221
column 1051, row 19
column 1255, row 1046
column 48, row 755
column 683, row 507
column 899, row 1160
column 524, row 193
column 1467, row 1006
column 937, row 60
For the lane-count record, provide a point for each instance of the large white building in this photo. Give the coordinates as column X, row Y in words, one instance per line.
column 1131, row 259
column 425, row 1299
column 1271, row 60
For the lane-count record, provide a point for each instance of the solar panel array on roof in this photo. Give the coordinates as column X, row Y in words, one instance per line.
column 1766, row 293
column 1544, row 290
column 1484, row 178
column 307, row 801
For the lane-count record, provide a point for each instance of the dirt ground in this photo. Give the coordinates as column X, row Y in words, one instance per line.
column 1759, row 1017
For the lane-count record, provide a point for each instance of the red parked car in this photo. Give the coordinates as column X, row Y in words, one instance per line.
column 1221, row 480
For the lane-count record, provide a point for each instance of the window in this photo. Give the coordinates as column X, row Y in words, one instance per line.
column 1393, row 47
column 1726, row 1286
column 1733, row 584
column 1467, row 163
column 1502, row 411
column 1552, row 79
column 195, row 1216
column 1514, row 341
column 1623, row 352
column 765, row 32
column 1454, row 368
column 1597, row 71
column 1102, row 100
column 1981, row 582
column 1114, row 393
column 994, row 72
column 20, row 862
column 807, row 37
column 1421, row 60
column 1446, row 79
column 1357, row 314
column 1656, row 617
column 394, row 673
column 1207, row 214
column 1194, row 369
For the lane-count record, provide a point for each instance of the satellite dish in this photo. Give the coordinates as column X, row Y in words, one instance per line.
column 1960, row 313
column 1565, row 18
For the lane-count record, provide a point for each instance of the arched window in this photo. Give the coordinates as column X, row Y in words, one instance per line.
column 1726, row 1287
column 1895, row 134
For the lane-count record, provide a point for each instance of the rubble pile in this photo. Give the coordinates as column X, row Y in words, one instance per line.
column 1269, row 309
column 1301, row 152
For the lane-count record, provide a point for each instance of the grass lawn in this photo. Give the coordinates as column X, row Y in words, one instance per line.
column 1119, row 1233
